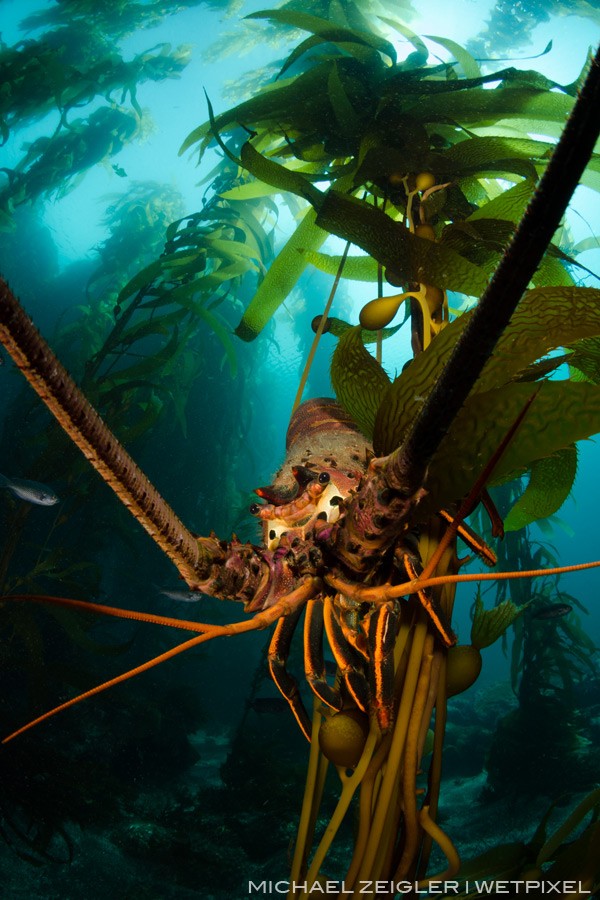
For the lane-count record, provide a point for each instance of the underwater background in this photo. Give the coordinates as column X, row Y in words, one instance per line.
column 188, row 781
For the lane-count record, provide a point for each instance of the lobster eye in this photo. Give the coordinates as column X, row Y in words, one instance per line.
column 254, row 508
column 324, row 477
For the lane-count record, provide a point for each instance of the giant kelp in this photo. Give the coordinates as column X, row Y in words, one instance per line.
column 505, row 375
column 68, row 68
column 116, row 18
column 355, row 118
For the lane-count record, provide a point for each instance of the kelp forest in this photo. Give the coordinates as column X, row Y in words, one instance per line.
column 343, row 368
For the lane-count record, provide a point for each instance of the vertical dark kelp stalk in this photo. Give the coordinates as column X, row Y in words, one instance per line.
column 360, row 543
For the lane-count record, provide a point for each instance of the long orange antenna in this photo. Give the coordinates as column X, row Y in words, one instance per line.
column 115, row 611
column 79, row 419
column 284, row 606
column 175, row 651
column 384, row 592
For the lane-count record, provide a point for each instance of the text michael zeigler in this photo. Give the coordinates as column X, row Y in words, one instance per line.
column 433, row 888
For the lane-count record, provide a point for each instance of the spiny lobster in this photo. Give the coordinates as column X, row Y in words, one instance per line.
column 338, row 524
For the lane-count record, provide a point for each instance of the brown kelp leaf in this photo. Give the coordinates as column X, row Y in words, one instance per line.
column 561, row 413
column 509, row 205
column 478, row 107
column 304, row 94
column 545, row 319
column 490, row 624
column 356, row 268
column 586, row 358
column 468, row 63
column 358, row 380
column 281, row 277
column 338, row 328
column 327, row 30
column 278, row 176
column 409, row 257
column 490, row 152
column 549, row 486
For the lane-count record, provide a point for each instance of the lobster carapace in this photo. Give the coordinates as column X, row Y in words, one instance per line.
column 326, row 455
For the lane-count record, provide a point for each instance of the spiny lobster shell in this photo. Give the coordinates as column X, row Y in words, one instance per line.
column 321, row 438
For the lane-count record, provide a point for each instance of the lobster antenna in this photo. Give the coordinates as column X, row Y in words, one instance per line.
column 517, row 267
column 51, row 381
column 286, row 605
column 384, row 592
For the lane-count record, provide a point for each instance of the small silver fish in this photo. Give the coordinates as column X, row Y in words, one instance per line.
column 183, row 596
column 31, row 491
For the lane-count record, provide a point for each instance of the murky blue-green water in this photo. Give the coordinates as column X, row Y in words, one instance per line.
column 187, row 781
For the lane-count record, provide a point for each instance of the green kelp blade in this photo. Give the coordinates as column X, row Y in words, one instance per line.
column 224, row 249
column 358, row 380
column 305, row 94
column 406, row 395
column 356, row 268
column 315, row 40
column 586, row 358
column 150, row 365
column 591, row 176
column 251, row 190
column 143, row 278
column 489, row 153
column 545, row 319
column 337, row 327
column 468, row 63
column 477, row 108
column 356, row 46
column 421, row 51
column 581, row 856
column 482, row 241
column 157, row 325
column 490, row 624
column 142, row 416
column 549, row 486
column 278, row 176
column 348, row 119
column 509, row 205
column 409, row 257
column 551, row 271
column 561, row 414
column 282, row 275
column 326, row 30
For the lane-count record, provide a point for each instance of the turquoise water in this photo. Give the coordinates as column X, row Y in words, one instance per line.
column 182, row 783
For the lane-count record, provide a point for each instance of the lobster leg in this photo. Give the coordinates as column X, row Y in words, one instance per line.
column 349, row 660
column 471, row 539
column 279, row 649
column 382, row 631
column 431, row 606
column 314, row 662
